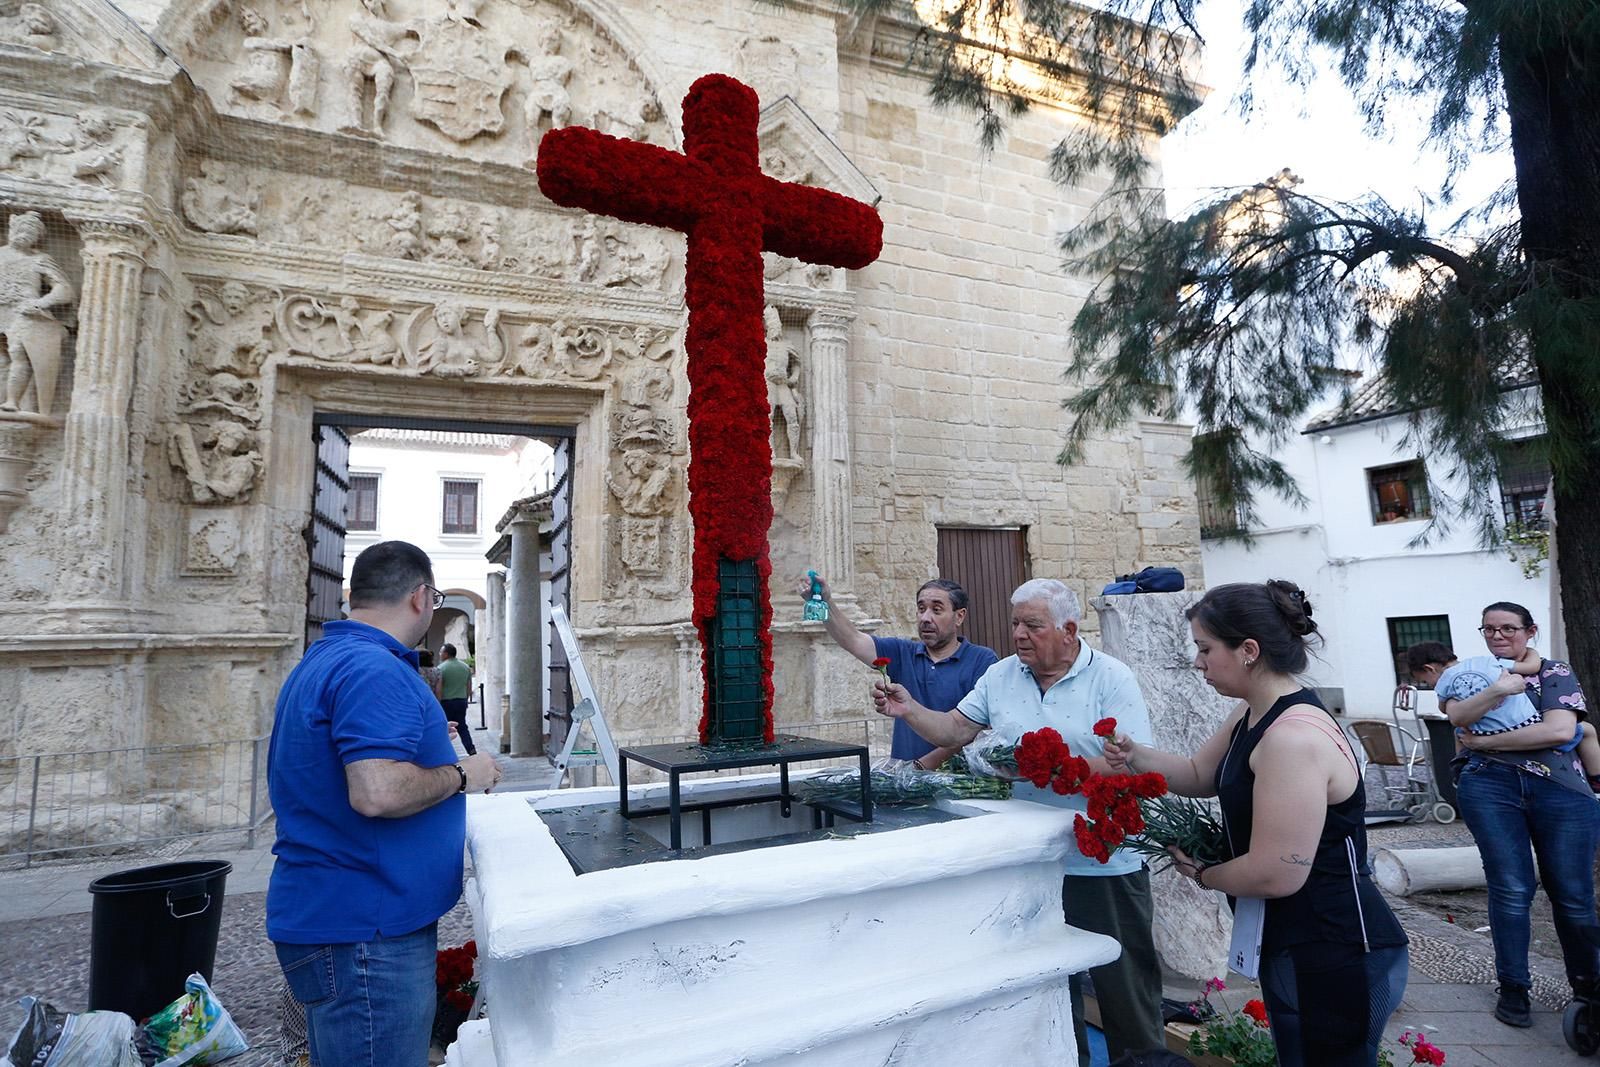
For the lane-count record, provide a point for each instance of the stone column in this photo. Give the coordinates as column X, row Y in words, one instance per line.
column 95, row 454
column 1148, row 632
column 525, row 638
column 827, row 351
column 492, row 629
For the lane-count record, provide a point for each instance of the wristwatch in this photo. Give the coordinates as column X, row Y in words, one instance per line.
column 462, row 772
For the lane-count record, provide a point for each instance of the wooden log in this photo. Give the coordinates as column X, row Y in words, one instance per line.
column 1403, row 871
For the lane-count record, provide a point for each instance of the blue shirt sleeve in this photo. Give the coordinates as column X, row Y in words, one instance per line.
column 378, row 713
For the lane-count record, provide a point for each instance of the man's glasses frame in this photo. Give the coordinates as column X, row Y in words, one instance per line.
column 438, row 597
column 1500, row 631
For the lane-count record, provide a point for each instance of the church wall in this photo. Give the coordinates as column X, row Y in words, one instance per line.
column 271, row 262
column 957, row 359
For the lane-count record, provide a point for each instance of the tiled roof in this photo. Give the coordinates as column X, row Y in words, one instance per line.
column 1373, row 399
column 492, row 442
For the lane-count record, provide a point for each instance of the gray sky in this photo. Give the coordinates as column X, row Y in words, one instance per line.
column 1317, row 133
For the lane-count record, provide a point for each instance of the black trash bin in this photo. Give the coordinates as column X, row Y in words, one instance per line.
column 1441, row 750
column 150, row 929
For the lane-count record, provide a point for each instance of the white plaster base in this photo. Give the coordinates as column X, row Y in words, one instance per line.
column 939, row 944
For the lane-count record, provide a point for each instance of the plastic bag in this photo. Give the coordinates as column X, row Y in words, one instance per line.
column 193, row 1029
column 52, row 1038
column 980, row 761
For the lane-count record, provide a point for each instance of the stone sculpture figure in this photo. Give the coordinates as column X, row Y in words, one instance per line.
column 642, row 489
column 548, row 74
column 449, row 230
column 534, row 353
column 273, row 65
column 631, row 120
column 405, row 227
column 31, row 284
column 234, row 341
column 377, row 38
column 454, row 353
column 783, row 382
column 222, row 467
column 642, row 261
column 210, row 203
column 371, row 341
column 590, row 249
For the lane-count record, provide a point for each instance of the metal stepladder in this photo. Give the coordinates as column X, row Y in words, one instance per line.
column 587, row 710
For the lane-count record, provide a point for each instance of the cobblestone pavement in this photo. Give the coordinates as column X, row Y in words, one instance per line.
column 50, row 958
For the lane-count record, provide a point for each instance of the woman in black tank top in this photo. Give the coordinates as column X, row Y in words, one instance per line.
column 1333, row 961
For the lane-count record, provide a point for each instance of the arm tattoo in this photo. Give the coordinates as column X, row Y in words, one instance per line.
column 1297, row 859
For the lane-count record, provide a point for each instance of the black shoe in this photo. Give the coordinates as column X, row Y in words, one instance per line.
column 1513, row 1007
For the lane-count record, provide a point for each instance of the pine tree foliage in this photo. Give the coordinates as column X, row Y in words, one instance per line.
column 1235, row 314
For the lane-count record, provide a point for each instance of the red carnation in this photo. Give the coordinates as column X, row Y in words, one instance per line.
column 881, row 662
column 1105, row 727
column 459, row 1000
column 1257, row 1011
column 471, row 949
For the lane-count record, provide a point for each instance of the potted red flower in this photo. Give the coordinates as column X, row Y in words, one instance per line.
column 456, row 988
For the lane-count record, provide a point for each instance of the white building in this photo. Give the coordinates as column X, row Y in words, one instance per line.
column 1374, row 593
column 443, row 492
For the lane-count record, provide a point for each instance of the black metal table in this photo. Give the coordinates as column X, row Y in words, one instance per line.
column 676, row 759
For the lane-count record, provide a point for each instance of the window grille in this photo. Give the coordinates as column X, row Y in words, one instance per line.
column 460, row 507
column 1399, row 493
column 361, row 506
column 1409, row 630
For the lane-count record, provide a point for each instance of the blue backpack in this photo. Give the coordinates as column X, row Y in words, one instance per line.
column 1149, row 580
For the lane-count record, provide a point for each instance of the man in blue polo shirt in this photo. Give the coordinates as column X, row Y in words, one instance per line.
column 938, row 669
column 1057, row 680
column 371, row 821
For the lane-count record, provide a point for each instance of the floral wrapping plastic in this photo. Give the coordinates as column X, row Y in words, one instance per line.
column 194, row 1029
column 49, row 1037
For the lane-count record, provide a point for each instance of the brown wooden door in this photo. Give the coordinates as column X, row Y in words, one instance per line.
column 989, row 565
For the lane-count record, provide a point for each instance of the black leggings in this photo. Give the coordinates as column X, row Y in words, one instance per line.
column 1331, row 1013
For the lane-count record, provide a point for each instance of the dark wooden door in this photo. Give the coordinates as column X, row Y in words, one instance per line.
column 324, row 533
column 989, row 564
column 560, row 699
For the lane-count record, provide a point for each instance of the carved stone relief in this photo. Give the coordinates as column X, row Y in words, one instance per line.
column 221, row 395
column 34, row 27
column 219, row 460
column 228, row 330
column 487, row 76
column 213, row 541
column 90, row 147
column 281, row 72
column 642, row 481
column 769, row 64
column 449, row 345
column 221, row 199
column 32, row 287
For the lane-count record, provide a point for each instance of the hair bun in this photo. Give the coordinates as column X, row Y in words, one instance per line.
column 1293, row 606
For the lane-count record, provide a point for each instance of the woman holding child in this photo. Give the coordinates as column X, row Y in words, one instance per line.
column 1333, row 960
column 1527, row 786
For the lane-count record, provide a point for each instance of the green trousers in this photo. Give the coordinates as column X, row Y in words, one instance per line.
column 1128, row 988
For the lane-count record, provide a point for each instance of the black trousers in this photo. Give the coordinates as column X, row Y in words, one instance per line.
column 456, row 711
column 1128, row 989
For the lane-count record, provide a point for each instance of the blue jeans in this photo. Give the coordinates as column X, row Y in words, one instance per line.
column 1346, row 1002
column 1507, row 810
column 368, row 1003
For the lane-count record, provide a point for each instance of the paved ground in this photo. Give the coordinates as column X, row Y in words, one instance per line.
column 44, row 949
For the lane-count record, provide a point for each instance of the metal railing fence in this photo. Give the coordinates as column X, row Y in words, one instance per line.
column 60, row 803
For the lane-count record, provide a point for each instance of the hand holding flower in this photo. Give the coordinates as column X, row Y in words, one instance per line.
column 881, row 665
column 890, row 699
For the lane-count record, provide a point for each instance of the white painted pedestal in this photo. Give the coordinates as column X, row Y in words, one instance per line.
column 938, row 944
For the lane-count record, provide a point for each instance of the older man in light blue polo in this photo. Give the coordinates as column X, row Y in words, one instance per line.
column 1057, row 680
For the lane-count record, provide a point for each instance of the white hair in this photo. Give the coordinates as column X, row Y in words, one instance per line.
column 1062, row 602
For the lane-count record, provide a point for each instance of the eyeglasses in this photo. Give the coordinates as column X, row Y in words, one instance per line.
column 438, row 597
column 1500, row 631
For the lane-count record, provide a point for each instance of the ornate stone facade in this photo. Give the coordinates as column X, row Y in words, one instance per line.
column 333, row 212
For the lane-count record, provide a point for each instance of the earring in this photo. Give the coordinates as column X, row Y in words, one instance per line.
column 1249, row 663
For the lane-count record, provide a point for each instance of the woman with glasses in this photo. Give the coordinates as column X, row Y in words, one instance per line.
column 1527, row 787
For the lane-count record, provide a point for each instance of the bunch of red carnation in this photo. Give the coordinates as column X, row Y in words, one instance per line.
column 1045, row 760
column 452, row 975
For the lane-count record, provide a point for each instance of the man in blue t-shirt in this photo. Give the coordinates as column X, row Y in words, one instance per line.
column 371, row 820
column 939, row 668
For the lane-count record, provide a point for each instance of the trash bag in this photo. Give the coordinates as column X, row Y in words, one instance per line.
column 52, row 1038
column 194, row 1029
